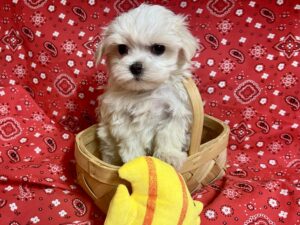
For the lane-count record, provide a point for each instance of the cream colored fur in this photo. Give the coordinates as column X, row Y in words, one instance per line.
column 150, row 116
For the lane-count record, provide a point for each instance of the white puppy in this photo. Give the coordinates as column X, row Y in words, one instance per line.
column 145, row 109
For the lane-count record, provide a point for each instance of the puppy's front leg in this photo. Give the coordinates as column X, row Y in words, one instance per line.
column 108, row 148
column 170, row 141
column 131, row 148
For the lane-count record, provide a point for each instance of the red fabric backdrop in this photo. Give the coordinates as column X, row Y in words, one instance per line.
column 247, row 70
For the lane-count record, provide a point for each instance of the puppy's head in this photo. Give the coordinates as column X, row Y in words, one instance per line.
column 145, row 46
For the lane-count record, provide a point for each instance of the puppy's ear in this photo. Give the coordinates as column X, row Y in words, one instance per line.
column 99, row 53
column 189, row 44
column 101, row 48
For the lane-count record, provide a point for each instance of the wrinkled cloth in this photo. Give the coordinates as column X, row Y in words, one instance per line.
column 246, row 68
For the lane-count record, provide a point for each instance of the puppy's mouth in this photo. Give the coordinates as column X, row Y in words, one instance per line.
column 137, row 78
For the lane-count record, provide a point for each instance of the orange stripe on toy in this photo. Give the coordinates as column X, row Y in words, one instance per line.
column 152, row 192
column 184, row 201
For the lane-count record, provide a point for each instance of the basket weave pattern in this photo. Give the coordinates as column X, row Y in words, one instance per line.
column 206, row 161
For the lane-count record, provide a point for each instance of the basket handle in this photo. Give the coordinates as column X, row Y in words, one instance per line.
column 198, row 115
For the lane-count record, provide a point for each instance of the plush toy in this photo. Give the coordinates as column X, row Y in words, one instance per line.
column 159, row 196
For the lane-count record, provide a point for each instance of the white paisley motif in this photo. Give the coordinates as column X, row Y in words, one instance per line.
column 247, row 92
column 255, row 219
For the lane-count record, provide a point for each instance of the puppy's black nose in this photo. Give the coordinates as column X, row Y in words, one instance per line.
column 136, row 69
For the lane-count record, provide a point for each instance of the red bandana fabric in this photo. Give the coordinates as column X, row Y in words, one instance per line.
column 247, row 69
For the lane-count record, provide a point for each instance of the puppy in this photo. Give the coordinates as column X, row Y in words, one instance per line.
column 145, row 109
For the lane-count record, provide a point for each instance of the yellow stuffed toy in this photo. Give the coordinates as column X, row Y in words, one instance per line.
column 159, row 196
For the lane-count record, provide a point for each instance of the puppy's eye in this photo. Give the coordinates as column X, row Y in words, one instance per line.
column 157, row 49
column 123, row 49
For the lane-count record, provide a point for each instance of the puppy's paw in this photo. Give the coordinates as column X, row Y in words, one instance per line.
column 175, row 158
column 128, row 155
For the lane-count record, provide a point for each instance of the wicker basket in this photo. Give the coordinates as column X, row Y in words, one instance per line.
column 206, row 161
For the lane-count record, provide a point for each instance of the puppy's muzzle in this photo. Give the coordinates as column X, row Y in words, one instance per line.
column 136, row 69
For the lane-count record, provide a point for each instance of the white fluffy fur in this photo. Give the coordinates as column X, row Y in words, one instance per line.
column 151, row 116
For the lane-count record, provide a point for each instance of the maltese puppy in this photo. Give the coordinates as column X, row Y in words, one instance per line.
column 145, row 109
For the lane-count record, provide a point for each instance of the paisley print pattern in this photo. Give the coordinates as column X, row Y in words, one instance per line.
column 246, row 68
